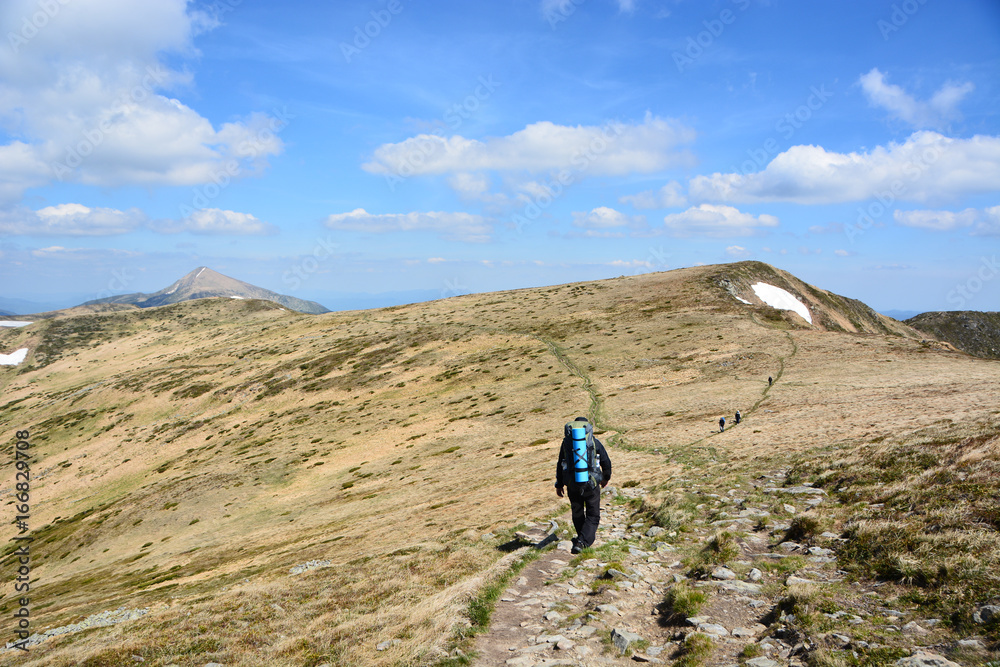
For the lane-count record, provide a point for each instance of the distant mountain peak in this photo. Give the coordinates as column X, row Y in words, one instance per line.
column 204, row 282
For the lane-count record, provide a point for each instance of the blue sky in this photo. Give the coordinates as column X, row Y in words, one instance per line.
column 426, row 149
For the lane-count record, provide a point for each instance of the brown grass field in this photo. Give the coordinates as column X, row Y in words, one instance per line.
column 186, row 457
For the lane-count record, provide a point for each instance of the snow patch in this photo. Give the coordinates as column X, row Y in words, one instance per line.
column 174, row 289
column 14, row 323
column 235, row 297
column 739, row 298
column 781, row 299
column 14, row 358
column 200, row 272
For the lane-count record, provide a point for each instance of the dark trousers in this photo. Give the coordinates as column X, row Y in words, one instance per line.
column 585, row 503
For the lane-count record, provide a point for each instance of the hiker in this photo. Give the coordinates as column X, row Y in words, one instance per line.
column 585, row 497
column 769, row 381
column 738, row 417
column 722, row 424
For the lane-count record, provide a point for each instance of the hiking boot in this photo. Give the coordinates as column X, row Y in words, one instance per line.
column 577, row 548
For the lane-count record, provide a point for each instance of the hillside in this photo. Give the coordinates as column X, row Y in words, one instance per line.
column 259, row 486
column 204, row 283
column 974, row 332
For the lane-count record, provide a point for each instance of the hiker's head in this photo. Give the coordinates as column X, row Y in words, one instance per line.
column 580, row 419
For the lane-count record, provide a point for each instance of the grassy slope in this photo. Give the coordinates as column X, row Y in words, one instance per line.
column 189, row 455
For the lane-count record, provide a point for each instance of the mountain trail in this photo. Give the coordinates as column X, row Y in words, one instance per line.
column 613, row 604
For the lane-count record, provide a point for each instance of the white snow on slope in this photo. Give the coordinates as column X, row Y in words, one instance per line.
column 781, row 299
column 741, row 299
column 14, row 358
column 14, row 323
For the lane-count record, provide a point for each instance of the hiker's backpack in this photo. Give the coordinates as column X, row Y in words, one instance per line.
column 584, row 462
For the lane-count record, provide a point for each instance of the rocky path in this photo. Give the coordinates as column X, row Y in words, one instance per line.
column 611, row 607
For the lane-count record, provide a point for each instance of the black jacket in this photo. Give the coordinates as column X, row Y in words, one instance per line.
column 564, row 474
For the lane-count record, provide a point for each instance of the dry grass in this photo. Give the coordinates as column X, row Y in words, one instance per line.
column 188, row 456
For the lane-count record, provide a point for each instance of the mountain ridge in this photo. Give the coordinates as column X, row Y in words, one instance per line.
column 204, row 282
column 972, row 331
column 195, row 457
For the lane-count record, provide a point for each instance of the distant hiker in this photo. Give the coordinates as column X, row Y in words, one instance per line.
column 585, row 468
column 769, row 381
column 738, row 417
column 722, row 424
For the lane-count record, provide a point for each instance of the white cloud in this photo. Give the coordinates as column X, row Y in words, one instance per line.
column 454, row 226
column 626, row 6
column 79, row 220
column 82, row 254
column 86, row 94
column 716, row 221
column 841, row 253
column 615, row 148
column 603, row 218
column 927, row 166
column 941, row 108
column 70, row 220
column 668, row 196
column 630, row 264
column 737, row 251
column 215, row 221
column 984, row 222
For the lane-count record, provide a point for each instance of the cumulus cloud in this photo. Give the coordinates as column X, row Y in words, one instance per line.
column 79, row 220
column 926, row 167
column 87, row 95
column 612, row 149
column 452, row 226
column 982, row 222
column 668, row 196
column 716, row 221
column 70, row 220
column 215, row 221
column 737, row 251
column 603, row 218
column 82, row 254
column 934, row 113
